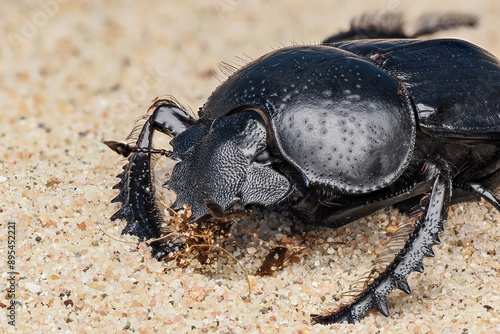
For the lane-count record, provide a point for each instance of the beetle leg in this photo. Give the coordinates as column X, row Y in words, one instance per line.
column 409, row 259
column 140, row 207
column 120, row 148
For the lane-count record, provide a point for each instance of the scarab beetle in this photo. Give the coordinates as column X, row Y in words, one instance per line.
column 333, row 131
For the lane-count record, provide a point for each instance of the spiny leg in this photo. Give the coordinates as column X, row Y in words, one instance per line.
column 140, row 207
column 409, row 259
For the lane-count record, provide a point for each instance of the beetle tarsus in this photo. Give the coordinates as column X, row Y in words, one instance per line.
column 409, row 259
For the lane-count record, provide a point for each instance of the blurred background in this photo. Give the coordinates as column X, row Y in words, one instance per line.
column 74, row 73
column 84, row 52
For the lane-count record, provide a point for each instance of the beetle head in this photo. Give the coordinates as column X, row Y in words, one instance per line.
column 228, row 162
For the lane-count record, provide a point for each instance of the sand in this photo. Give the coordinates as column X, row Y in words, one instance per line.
column 73, row 74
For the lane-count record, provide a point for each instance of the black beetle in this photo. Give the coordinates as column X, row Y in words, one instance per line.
column 333, row 131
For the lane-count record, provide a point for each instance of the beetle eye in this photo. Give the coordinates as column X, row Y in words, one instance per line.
column 262, row 157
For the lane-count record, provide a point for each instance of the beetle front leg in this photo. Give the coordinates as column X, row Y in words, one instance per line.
column 409, row 259
column 140, row 207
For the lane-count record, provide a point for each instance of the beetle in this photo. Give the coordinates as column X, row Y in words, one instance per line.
column 333, row 132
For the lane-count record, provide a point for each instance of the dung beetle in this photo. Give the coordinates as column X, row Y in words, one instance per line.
column 333, row 132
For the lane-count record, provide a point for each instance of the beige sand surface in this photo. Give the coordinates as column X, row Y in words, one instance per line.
column 73, row 74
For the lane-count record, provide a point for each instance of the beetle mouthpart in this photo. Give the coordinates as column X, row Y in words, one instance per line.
column 217, row 212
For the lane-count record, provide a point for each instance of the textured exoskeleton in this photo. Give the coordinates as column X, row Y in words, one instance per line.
column 333, row 131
